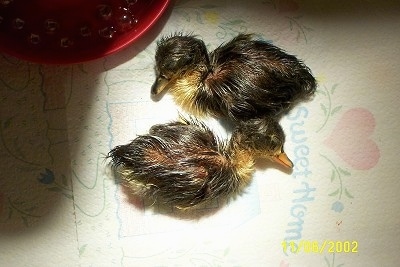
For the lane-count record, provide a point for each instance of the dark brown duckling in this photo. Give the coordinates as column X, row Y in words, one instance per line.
column 184, row 164
column 242, row 79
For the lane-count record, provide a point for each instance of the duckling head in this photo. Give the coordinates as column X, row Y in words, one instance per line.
column 264, row 138
column 175, row 55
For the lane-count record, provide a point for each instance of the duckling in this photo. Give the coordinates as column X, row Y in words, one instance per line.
column 242, row 79
column 183, row 163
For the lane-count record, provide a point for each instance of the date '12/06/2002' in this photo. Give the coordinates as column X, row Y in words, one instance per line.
column 312, row 246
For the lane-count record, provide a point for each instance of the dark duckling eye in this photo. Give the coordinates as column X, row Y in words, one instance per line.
column 275, row 144
column 269, row 143
column 163, row 76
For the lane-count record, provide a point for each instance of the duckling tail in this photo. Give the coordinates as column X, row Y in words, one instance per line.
column 306, row 82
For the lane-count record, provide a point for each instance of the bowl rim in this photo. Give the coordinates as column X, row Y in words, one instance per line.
column 157, row 9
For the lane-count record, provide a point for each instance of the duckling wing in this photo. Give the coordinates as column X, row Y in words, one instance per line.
column 256, row 78
column 176, row 164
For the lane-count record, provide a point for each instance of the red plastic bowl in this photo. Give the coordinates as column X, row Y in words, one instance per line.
column 73, row 31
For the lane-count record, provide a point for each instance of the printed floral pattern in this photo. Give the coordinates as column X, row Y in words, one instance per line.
column 48, row 178
column 337, row 176
column 331, row 262
column 358, row 152
column 288, row 8
column 328, row 107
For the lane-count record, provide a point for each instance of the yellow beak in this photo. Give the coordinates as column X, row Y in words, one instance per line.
column 283, row 159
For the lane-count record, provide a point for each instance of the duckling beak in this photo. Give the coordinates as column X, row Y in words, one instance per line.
column 159, row 85
column 283, row 159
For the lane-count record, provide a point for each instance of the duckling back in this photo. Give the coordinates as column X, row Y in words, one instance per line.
column 178, row 163
column 254, row 78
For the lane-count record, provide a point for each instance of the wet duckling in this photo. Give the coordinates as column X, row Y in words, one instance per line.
column 242, row 79
column 184, row 164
